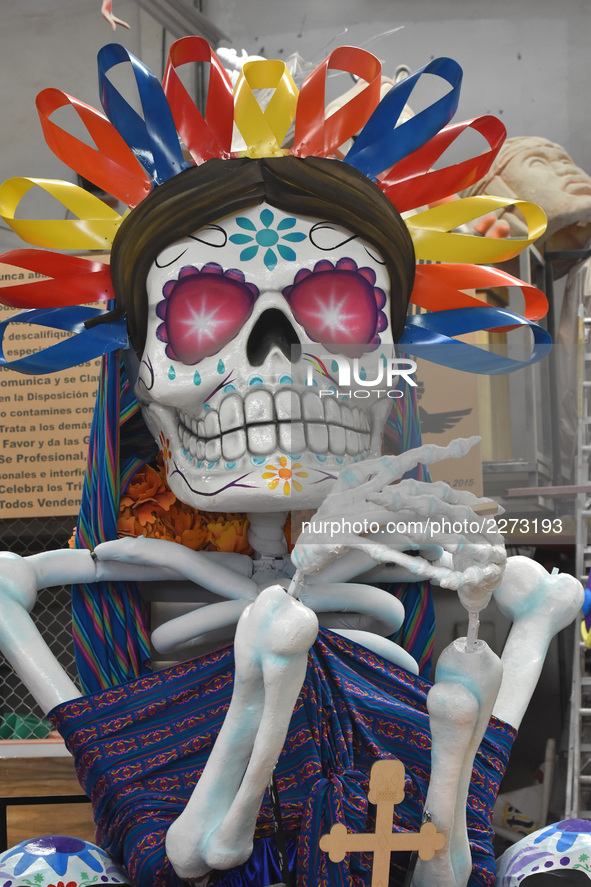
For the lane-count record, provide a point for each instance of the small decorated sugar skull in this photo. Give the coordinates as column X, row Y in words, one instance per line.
column 59, row 861
column 557, row 854
column 248, row 319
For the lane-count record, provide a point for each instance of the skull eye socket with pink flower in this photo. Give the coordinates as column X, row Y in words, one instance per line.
column 337, row 305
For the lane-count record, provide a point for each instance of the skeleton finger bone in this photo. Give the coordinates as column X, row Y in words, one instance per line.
column 216, row 828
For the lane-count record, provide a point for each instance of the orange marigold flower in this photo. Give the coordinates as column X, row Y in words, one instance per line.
column 230, row 536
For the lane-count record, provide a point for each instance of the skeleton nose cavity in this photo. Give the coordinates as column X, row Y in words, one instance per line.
column 272, row 329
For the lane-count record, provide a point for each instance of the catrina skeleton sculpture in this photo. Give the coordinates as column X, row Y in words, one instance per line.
column 240, row 280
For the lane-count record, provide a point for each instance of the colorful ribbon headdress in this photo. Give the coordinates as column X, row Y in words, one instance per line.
column 134, row 152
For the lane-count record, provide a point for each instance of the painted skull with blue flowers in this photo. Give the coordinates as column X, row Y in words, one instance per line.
column 234, row 379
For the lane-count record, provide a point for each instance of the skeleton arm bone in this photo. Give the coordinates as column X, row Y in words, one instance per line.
column 21, row 578
column 20, row 640
column 216, row 828
column 458, row 724
column 540, row 605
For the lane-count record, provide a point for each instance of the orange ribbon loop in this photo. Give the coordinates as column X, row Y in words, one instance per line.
column 439, row 288
column 112, row 166
column 315, row 134
column 209, row 136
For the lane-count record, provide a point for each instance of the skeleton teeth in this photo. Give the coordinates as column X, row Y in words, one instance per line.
column 352, row 440
column 332, row 411
column 336, row 440
column 287, row 405
column 212, row 424
column 317, row 437
column 231, row 413
column 262, row 422
column 312, row 407
column 258, row 406
column 234, row 444
column 291, row 437
column 347, row 416
column 262, row 439
column 213, row 450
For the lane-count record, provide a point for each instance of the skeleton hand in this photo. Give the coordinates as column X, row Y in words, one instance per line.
column 372, row 511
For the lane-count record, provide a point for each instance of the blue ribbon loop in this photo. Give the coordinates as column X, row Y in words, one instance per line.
column 86, row 344
column 153, row 138
column 380, row 145
column 430, row 336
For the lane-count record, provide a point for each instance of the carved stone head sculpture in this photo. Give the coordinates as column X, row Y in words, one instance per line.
column 533, row 168
column 234, row 278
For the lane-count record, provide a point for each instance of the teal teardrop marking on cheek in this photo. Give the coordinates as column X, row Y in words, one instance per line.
column 383, row 359
column 196, row 378
column 256, row 380
column 286, row 380
column 258, row 460
column 229, row 465
column 334, row 366
column 362, row 374
column 171, row 373
column 229, row 388
column 221, row 367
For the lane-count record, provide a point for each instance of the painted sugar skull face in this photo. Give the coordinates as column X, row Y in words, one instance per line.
column 558, row 854
column 54, row 860
column 253, row 325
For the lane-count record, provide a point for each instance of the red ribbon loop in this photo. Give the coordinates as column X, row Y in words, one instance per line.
column 111, row 166
column 71, row 280
column 319, row 136
column 204, row 137
column 412, row 182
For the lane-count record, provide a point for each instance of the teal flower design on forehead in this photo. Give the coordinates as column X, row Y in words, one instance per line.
column 268, row 238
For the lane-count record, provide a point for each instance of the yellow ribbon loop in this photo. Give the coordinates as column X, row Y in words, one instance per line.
column 433, row 234
column 94, row 228
column 264, row 131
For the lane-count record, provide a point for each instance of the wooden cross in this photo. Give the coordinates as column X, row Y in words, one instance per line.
column 386, row 789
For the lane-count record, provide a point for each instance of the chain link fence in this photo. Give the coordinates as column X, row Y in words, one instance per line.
column 20, row 717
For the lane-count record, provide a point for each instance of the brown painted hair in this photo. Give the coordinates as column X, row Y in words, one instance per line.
column 202, row 195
